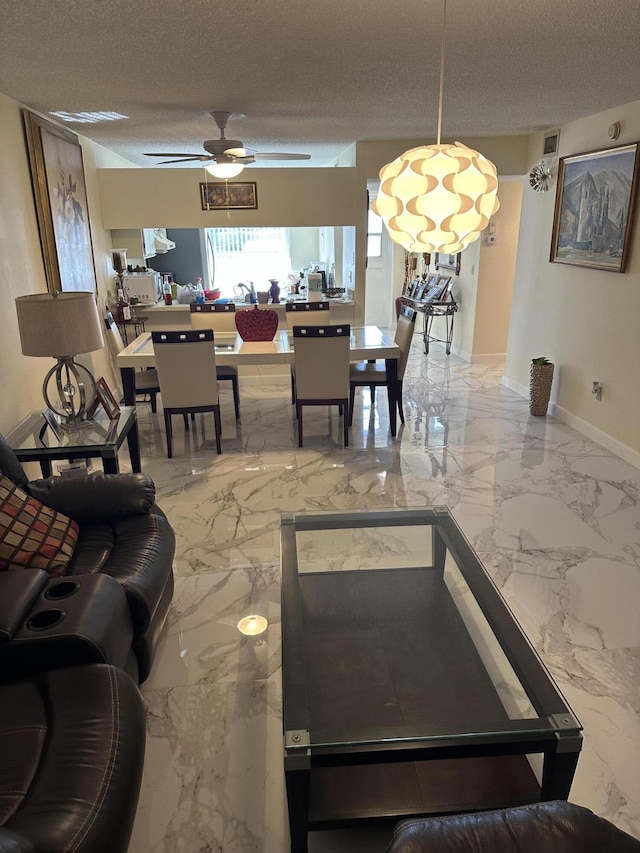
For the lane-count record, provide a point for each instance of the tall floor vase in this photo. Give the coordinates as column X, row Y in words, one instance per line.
column 541, row 379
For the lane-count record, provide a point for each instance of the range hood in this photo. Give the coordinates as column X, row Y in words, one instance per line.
column 163, row 245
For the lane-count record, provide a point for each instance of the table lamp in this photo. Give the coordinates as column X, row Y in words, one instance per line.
column 62, row 325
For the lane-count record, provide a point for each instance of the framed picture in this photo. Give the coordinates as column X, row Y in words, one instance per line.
column 225, row 196
column 595, row 201
column 550, row 143
column 106, row 398
column 57, row 176
column 419, row 291
column 432, row 280
column 448, row 262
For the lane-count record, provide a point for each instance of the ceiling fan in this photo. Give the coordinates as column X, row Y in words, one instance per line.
column 226, row 158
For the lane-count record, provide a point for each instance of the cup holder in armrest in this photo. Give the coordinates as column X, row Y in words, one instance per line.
column 45, row 619
column 61, row 590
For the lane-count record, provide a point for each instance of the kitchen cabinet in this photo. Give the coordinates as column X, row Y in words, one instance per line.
column 139, row 242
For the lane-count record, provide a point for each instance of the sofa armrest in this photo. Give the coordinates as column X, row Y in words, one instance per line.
column 12, row 843
column 19, row 591
column 97, row 497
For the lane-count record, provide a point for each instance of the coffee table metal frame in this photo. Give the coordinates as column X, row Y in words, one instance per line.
column 555, row 733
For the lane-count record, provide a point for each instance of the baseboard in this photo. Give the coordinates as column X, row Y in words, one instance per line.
column 584, row 427
column 488, row 358
column 622, row 450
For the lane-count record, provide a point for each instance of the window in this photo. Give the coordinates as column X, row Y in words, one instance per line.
column 374, row 235
column 237, row 255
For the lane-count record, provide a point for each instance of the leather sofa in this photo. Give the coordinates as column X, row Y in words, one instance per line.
column 71, row 757
column 123, row 535
column 552, row 827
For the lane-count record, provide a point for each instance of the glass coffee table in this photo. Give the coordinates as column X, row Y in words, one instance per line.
column 408, row 686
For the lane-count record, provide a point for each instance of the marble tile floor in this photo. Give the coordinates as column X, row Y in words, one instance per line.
column 553, row 516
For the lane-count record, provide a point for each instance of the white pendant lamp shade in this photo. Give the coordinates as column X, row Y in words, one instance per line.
column 437, row 198
column 224, row 170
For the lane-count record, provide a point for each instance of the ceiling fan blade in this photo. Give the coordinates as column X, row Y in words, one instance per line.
column 183, row 160
column 274, row 156
column 180, row 154
column 239, row 152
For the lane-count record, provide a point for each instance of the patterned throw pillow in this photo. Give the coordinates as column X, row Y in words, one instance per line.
column 32, row 535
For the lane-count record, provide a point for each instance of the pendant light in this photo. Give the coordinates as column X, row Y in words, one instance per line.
column 437, row 198
column 224, row 170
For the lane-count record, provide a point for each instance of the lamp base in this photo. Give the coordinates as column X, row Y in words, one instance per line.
column 71, row 395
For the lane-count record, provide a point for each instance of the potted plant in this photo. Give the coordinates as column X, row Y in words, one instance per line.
column 541, row 377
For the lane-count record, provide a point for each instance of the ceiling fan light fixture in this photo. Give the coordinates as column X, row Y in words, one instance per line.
column 224, row 170
column 437, row 198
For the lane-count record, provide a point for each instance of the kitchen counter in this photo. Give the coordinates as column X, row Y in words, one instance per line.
column 177, row 316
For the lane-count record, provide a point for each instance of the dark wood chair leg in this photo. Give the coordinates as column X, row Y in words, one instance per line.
column 347, row 421
column 299, row 416
column 372, row 391
column 167, row 429
column 236, row 396
column 218, row 423
column 154, row 401
column 293, row 388
column 400, row 410
column 185, row 418
column 352, row 399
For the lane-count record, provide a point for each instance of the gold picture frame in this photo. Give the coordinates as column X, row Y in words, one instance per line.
column 222, row 195
column 595, row 201
column 60, row 195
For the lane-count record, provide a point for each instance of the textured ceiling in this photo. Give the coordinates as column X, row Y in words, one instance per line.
column 315, row 77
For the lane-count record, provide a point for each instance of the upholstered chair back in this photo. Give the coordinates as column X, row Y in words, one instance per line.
column 186, row 365
column 219, row 316
column 321, row 357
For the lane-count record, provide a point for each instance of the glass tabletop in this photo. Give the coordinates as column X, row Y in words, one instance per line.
column 38, row 434
column 394, row 633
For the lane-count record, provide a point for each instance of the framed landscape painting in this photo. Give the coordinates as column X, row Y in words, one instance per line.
column 227, row 196
column 594, row 209
column 57, row 176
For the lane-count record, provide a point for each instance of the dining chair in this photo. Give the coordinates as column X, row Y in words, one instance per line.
column 186, row 365
column 374, row 373
column 311, row 314
column 321, row 360
column 146, row 380
column 219, row 316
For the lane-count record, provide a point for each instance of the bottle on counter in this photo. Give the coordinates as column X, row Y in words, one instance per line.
column 199, row 291
column 123, row 307
column 166, row 292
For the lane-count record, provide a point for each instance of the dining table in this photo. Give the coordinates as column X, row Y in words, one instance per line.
column 366, row 343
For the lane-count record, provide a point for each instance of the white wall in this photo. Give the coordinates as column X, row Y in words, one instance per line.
column 22, row 269
column 586, row 321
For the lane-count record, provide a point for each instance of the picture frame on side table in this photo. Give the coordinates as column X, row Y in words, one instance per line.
column 223, row 195
column 448, row 262
column 60, row 195
column 595, row 201
column 106, row 399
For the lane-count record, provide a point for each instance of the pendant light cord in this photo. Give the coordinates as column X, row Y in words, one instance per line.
column 444, row 26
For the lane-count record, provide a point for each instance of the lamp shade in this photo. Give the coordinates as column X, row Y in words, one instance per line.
column 437, row 198
column 58, row 324
column 224, row 170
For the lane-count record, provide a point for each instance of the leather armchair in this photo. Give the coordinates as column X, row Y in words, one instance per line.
column 71, row 757
column 552, row 827
column 123, row 534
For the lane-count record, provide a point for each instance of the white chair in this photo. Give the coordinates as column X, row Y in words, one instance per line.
column 186, row 365
column 311, row 314
column 146, row 380
column 221, row 317
column 321, row 360
column 307, row 313
column 374, row 373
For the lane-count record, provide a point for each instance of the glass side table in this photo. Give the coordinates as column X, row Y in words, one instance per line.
column 34, row 440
